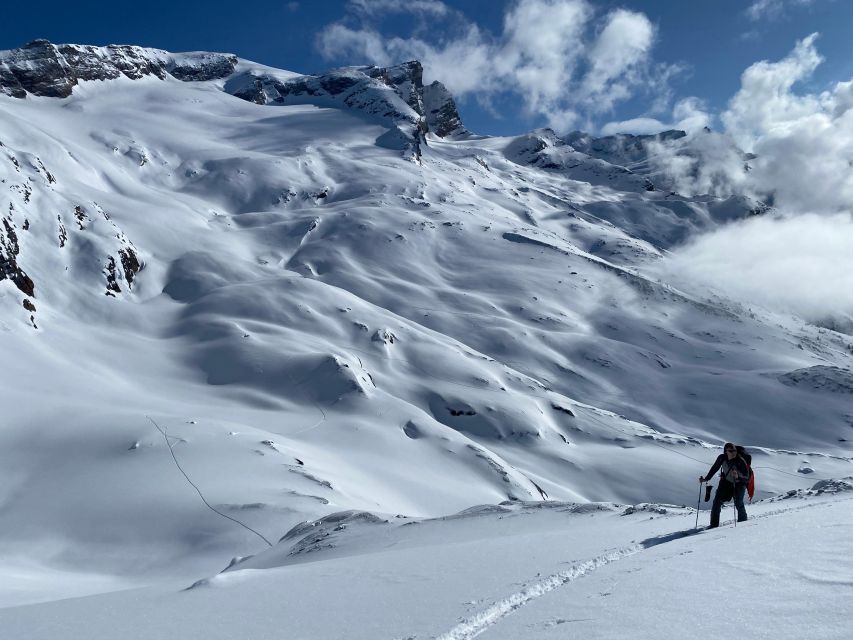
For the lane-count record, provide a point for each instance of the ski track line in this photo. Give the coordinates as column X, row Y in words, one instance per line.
column 477, row 624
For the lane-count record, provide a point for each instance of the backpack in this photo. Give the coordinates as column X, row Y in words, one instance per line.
column 750, row 487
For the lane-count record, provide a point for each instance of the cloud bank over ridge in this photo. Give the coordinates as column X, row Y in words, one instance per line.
column 800, row 260
column 564, row 60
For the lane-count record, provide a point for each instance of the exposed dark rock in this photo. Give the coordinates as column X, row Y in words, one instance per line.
column 80, row 214
column 442, row 117
column 44, row 69
column 29, row 306
column 63, row 234
column 9, row 84
column 391, row 93
column 252, row 91
column 562, row 409
column 130, row 264
column 38, row 69
column 820, row 378
column 9, row 251
column 11, row 239
column 620, row 148
column 202, row 67
column 112, row 285
column 385, row 336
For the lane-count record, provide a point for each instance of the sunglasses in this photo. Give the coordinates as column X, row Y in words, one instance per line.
column 727, row 449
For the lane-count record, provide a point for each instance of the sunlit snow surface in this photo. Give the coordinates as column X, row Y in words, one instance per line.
column 529, row 570
column 323, row 324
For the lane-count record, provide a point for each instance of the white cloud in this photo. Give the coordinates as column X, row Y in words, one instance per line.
column 619, row 53
column 801, row 264
column 799, row 260
column 540, row 48
column 338, row 39
column 765, row 99
column 688, row 114
column 803, row 141
column 638, row 126
column 559, row 57
column 374, row 7
column 772, row 9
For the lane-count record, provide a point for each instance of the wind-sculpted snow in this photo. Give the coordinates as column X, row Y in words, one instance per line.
column 320, row 324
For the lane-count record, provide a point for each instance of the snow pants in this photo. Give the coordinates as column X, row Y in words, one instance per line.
column 725, row 492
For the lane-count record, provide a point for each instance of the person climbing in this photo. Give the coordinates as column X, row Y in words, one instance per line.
column 734, row 477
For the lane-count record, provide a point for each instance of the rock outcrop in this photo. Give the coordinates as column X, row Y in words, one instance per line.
column 9, row 251
column 393, row 94
column 41, row 68
column 440, row 110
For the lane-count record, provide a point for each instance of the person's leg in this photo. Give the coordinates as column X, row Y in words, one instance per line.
column 723, row 494
column 716, row 506
column 715, row 511
column 741, row 510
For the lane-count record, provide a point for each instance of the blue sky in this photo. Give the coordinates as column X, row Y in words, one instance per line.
column 514, row 64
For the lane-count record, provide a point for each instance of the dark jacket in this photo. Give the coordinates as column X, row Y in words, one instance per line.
column 722, row 462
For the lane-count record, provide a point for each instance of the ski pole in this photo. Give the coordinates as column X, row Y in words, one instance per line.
column 698, row 502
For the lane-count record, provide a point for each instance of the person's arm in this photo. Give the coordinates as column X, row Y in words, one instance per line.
column 715, row 467
column 742, row 469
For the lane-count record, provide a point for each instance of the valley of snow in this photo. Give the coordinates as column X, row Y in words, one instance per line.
column 271, row 308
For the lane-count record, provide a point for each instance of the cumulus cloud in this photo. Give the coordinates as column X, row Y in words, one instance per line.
column 803, row 142
column 565, row 61
column 799, row 264
column 800, row 259
column 765, row 99
column 616, row 56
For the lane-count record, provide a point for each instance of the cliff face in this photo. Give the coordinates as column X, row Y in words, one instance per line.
column 41, row 68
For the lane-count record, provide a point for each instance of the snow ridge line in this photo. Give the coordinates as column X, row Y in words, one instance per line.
column 477, row 624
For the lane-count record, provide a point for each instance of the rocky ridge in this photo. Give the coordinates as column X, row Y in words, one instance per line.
column 41, row 68
column 396, row 94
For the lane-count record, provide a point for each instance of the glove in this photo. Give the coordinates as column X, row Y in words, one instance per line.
column 701, row 478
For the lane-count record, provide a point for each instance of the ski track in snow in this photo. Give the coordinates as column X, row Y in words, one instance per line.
column 477, row 624
column 473, row 626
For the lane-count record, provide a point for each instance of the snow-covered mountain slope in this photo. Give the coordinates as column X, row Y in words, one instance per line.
column 321, row 293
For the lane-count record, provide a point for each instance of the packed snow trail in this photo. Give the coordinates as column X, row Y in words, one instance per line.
column 474, row 626
column 416, row 577
column 477, row 624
